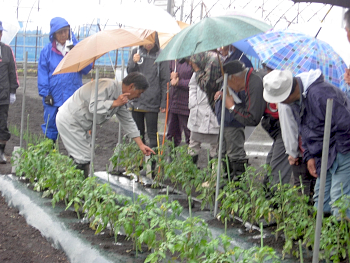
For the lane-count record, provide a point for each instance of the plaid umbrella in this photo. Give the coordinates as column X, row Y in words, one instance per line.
column 299, row 53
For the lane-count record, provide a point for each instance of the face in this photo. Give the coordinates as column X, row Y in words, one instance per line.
column 234, row 83
column 149, row 46
column 347, row 33
column 134, row 93
column 62, row 35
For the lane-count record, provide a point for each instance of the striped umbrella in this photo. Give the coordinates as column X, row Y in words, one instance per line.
column 299, row 53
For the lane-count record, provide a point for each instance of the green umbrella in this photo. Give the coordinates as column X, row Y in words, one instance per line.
column 211, row 33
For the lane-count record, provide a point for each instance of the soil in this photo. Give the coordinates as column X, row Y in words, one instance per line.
column 20, row 242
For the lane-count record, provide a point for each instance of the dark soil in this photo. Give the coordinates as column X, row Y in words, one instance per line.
column 20, row 242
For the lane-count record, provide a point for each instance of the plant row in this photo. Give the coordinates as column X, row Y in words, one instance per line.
column 249, row 199
column 152, row 222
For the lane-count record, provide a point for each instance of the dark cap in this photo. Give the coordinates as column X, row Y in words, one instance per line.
column 234, row 67
column 183, row 60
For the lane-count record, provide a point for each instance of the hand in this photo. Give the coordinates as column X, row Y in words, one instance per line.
column 174, row 75
column 122, row 100
column 347, row 76
column 217, row 95
column 311, row 166
column 146, row 150
column 136, row 58
column 229, row 101
column 162, row 110
column 174, row 82
column 292, row 160
column 12, row 98
column 49, row 100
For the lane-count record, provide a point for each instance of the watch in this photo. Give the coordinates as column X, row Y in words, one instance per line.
column 231, row 109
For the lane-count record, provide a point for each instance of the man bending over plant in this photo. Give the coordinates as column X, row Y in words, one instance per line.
column 75, row 117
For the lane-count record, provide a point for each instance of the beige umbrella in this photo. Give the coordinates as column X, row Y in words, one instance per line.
column 95, row 46
column 164, row 38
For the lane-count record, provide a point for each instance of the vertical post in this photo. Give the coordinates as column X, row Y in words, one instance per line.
column 169, row 7
column 221, row 138
column 182, row 10
column 201, row 17
column 119, row 126
column 94, row 125
column 322, row 178
column 24, row 97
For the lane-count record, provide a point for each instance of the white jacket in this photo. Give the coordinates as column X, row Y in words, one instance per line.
column 202, row 118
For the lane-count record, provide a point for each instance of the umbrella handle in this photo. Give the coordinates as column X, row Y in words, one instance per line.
column 141, row 58
column 166, row 120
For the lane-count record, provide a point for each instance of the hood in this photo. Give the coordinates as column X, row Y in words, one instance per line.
column 56, row 24
column 307, row 78
column 156, row 47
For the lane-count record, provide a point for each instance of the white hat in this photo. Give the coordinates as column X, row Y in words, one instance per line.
column 277, row 85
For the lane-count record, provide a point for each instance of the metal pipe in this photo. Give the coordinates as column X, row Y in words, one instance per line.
column 327, row 131
column 119, row 126
column 94, row 125
column 24, row 97
column 221, row 138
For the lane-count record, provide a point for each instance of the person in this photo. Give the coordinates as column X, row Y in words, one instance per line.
column 75, row 117
column 294, row 150
column 201, row 122
column 281, row 171
column 231, row 53
column 234, row 131
column 178, row 102
column 250, row 111
column 307, row 94
column 56, row 89
column 146, row 108
column 8, row 86
column 347, row 28
column 207, row 66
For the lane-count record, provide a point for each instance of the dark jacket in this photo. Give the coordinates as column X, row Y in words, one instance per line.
column 8, row 74
column 250, row 113
column 157, row 75
column 310, row 114
column 178, row 95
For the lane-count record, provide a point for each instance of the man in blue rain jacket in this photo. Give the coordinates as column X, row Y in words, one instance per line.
column 56, row 89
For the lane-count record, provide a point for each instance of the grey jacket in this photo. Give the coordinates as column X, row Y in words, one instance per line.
column 81, row 106
column 157, row 75
column 202, row 118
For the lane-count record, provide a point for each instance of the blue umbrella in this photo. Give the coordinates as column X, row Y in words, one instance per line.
column 299, row 53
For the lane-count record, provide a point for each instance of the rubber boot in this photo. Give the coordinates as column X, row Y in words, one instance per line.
column 238, row 168
column 85, row 167
column 2, row 153
column 153, row 169
column 195, row 159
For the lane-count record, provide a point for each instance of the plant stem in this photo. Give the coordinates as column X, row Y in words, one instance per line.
column 301, row 252
column 261, row 235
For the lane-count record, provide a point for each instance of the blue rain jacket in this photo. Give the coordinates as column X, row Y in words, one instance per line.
column 60, row 86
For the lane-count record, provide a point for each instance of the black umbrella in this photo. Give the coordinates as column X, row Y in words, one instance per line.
column 343, row 3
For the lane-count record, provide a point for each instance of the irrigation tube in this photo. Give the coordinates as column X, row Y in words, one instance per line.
column 94, row 125
column 23, row 98
column 327, row 131
column 220, row 143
